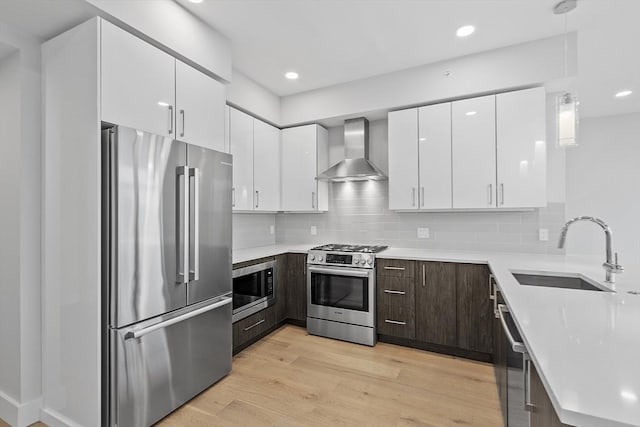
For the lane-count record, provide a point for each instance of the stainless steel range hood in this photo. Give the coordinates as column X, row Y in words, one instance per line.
column 356, row 166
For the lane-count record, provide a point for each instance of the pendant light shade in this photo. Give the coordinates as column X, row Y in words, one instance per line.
column 567, row 120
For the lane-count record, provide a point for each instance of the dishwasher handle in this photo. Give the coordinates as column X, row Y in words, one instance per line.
column 517, row 346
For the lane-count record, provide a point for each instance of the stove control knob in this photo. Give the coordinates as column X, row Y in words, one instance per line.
column 312, row 257
column 356, row 261
column 320, row 258
column 369, row 260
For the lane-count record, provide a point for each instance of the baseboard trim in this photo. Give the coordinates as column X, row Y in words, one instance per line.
column 54, row 419
column 437, row 348
column 19, row 414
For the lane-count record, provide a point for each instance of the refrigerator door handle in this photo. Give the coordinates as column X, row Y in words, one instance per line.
column 183, row 229
column 142, row 332
column 195, row 173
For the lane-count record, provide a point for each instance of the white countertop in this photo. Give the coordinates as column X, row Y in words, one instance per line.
column 585, row 344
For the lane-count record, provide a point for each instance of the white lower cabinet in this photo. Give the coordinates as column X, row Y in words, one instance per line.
column 474, row 153
column 305, row 153
column 255, row 146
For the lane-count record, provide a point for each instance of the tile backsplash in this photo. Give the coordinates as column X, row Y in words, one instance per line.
column 358, row 213
column 252, row 230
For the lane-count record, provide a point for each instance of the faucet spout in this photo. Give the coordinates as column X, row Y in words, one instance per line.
column 610, row 265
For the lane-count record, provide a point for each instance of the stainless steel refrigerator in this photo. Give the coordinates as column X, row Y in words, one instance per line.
column 166, row 273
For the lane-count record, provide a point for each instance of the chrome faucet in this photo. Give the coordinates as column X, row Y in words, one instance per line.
column 610, row 266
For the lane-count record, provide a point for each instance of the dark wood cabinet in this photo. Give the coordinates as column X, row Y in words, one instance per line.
column 435, row 303
column 249, row 328
column 281, row 288
column 296, row 287
column 395, row 309
column 543, row 413
column 475, row 325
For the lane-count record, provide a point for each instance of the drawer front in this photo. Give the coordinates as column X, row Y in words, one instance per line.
column 396, row 307
column 395, row 268
column 250, row 327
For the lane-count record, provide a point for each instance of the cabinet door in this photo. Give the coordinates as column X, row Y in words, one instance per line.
column 474, row 153
column 544, row 414
column 200, row 104
column 227, row 143
column 266, row 166
column 474, row 308
column 296, row 287
column 251, row 327
column 435, row 303
column 137, row 83
column 281, row 287
column 395, row 305
column 241, row 141
column 434, row 141
column 403, row 159
column 521, row 148
column 299, row 169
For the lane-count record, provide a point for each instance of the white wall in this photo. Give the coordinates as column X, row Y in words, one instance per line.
column 20, row 237
column 603, row 178
column 165, row 23
column 250, row 96
column 527, row 64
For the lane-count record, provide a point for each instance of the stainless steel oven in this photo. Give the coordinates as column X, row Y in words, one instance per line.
column 253, row 289
column 341, row 289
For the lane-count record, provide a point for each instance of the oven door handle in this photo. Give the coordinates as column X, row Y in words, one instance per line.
column 340, row 271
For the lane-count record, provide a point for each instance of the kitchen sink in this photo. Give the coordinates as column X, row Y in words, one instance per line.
column 566, row 281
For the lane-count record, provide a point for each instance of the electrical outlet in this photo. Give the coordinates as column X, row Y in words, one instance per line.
column 543, row 234
column 423, row 233
column 314, row 230
column 272, row 229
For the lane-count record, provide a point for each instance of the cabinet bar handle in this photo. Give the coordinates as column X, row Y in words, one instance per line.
column 388, row 291
column 233, row 197
column 502, row 193
column 422, row 196
column 424, row 276
column 526, row 372
column 490, row 194
column 182, row 115
column 395, row 322
column 170, row 119
column 413, row 197
column 257, row 198
column 394, row 268
column 491, row 295
column 313, row 200
column 259, row 322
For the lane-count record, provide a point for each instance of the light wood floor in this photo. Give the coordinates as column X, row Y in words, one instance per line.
column 293, row 379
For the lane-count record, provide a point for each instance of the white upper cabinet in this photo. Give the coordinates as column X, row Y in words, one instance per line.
column 138, row 83
column 200, row 108
column 474, row 153
column 521, row 149
column 266, row 166
column 304, row 154
column 403, row 159
column 241, row 141
column 227, row 142
column 434, row 148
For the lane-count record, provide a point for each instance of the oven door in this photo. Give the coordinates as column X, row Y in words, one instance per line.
column 341, row 294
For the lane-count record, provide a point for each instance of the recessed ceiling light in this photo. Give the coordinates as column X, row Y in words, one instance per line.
column 195, row 1
column 465, row 31
column 163, row 104
column 623, row 93
column 471, row 113
column 291, row 75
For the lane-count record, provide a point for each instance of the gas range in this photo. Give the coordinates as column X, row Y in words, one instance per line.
column 359, row 256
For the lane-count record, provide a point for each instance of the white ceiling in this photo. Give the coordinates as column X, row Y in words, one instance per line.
column 335, row 41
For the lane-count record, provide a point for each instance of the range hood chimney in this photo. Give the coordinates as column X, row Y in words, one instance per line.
column 356, row 166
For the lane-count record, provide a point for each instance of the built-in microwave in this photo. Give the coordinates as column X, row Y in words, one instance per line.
column 253, row 289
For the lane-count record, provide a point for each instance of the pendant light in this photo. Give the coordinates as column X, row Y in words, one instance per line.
column 567, row 103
